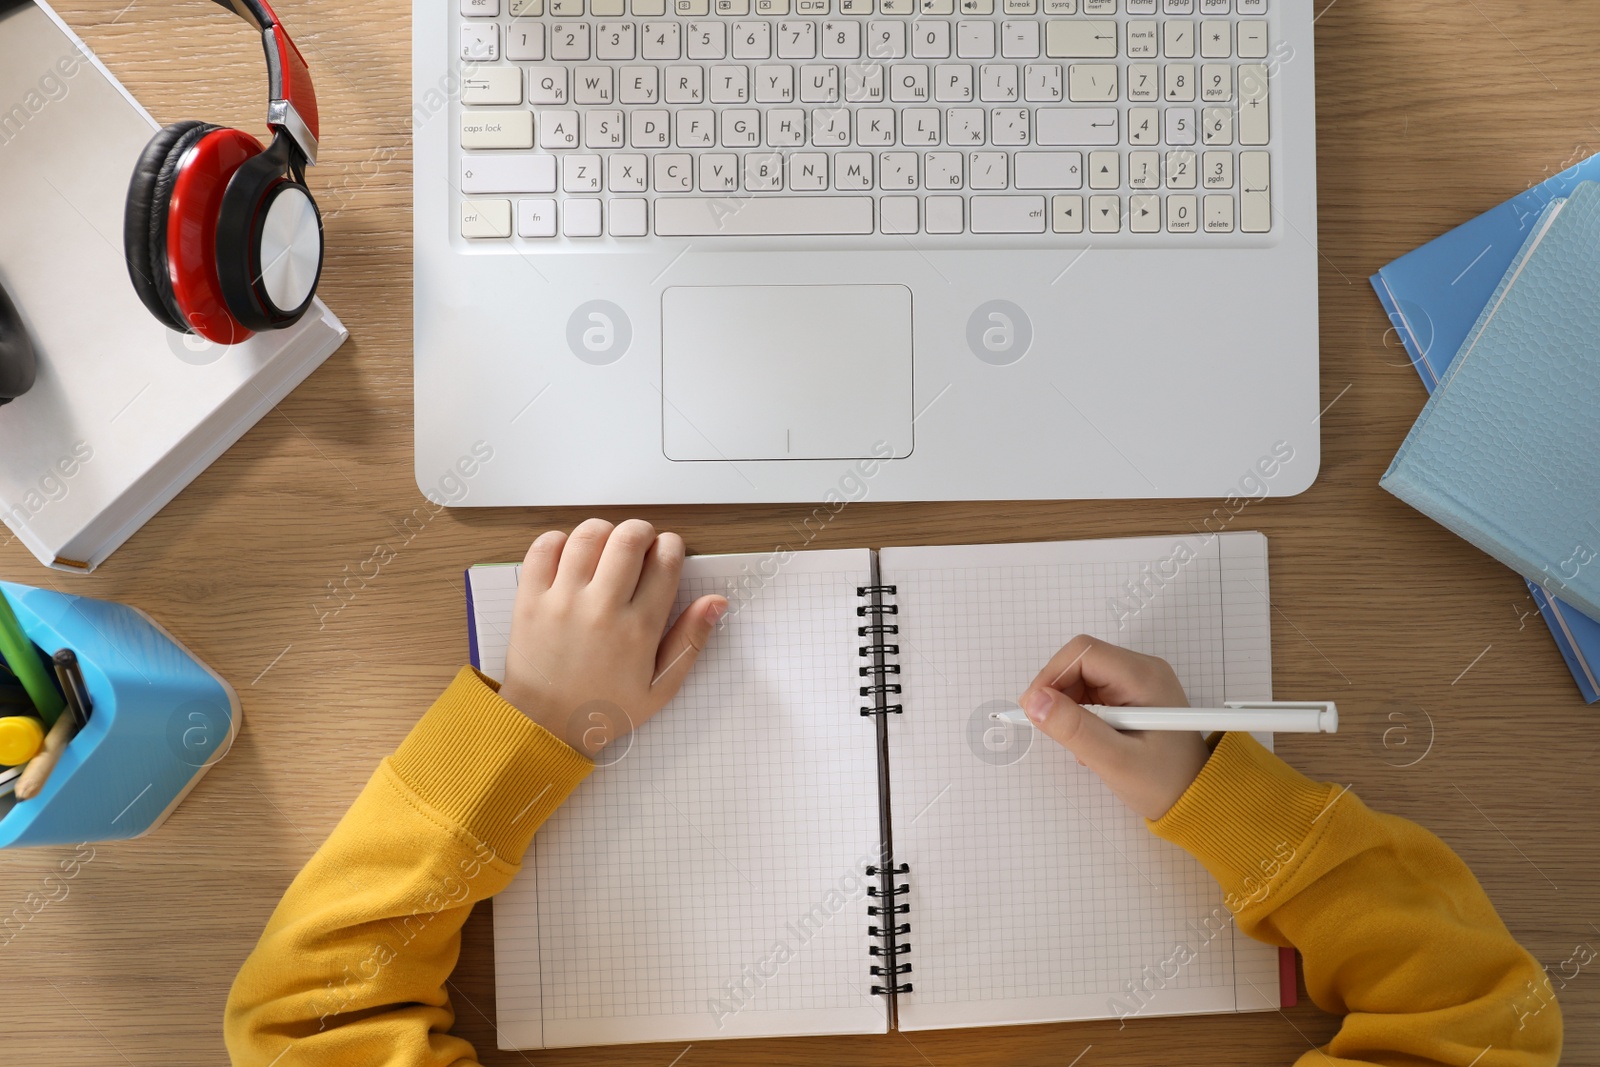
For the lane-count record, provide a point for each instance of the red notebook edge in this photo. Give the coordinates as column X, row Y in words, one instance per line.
column 1288, row 988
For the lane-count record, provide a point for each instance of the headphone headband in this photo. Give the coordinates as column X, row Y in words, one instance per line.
column 291, row 100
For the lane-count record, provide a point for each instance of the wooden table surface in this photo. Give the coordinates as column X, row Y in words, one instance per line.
column 1458, row 712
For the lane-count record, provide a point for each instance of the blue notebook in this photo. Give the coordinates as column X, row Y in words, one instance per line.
column 1434, row 297
column 1506, row 454
column 1435, row 294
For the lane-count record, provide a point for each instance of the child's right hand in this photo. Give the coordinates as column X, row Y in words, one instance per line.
column 1148, row 770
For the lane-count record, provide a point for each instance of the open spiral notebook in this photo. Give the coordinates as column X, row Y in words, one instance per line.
column 826, row 833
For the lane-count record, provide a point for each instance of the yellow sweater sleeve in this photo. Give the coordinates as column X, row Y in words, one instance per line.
column 1394, row 930
column 352, row 966
column 1396, row 933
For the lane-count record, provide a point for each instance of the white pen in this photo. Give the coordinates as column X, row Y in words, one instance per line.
column 1259, row 716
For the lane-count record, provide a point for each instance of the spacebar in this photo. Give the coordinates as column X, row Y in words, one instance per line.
column 757, row 216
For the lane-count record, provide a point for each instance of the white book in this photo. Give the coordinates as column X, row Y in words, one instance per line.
column 125, row 412
column 828, row 794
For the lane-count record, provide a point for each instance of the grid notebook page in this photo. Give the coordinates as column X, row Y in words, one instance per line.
column 708, row 882
column 1035, row 896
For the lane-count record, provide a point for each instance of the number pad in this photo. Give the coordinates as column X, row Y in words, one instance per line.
column 1218, row 168
column 1177, row 81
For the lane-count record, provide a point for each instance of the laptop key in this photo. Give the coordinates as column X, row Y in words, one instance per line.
column 547, row 85
column 1253, row 39
column 945, row 214
column 1049, row 170
column 898, row 214
column 695, row 216
column 525, row 40
column 1183, row 213
column 1105, row 214
column 536, row 218
column 1007, row 214
column 486, row 218
column 626, row 217
column 1255, row 192
column 480, row 42
column 508, row 174
column 1066, row 214
column 569, row 40
column 497, row 129
column 987, row 170
column 580, row 218
column 492, row 85
column 1076, row 126
column 1080, row 40
column 1254, row 104
column 1219, row 214
column 1144, row 213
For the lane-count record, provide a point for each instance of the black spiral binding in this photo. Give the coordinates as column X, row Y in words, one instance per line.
column 888, row 897
column 891, row 947
column 878, row 648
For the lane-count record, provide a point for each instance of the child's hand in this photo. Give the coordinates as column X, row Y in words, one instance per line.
column 1148, row 770
column 587, row 659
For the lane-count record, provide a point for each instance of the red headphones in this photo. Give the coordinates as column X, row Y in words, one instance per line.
column 222, row 236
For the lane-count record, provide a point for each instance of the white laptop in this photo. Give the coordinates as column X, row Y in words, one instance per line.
column 719, row 251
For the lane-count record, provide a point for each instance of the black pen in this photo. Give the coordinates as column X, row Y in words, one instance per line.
column 70, row 675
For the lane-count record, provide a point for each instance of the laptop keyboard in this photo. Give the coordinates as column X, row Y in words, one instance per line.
column 584, row 120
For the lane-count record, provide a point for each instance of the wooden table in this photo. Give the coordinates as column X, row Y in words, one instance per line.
column 1458, row 711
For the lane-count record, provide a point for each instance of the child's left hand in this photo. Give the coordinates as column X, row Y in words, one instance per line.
column 587, row 659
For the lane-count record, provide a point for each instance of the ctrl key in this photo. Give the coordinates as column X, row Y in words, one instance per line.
column 486, row 218
column 536, row 218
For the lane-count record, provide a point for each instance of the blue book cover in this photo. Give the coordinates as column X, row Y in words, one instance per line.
column 1506, row 454
column 1435, row 295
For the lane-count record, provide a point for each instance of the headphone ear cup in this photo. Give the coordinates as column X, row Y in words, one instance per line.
column 144, row 219
column 17, row 364
column 269, row 244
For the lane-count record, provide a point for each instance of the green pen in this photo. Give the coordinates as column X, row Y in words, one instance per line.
column 24, row 662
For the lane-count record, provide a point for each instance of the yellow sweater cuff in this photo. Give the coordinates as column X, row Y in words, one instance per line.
column 486, row 767
column 1245, row 816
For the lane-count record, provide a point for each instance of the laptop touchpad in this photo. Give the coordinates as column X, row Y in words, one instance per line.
column 753, row 372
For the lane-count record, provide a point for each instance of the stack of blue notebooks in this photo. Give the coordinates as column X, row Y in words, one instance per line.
column 1501, row 318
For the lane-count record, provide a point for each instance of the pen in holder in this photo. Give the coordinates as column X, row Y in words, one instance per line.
column 159, row 719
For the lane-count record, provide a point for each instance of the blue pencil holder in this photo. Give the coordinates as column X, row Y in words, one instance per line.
column 159, row 720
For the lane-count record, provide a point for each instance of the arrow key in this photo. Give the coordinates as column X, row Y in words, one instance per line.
column 1066, row 214
column 1105, row 214
column 1144, row 213
column 1105, row 170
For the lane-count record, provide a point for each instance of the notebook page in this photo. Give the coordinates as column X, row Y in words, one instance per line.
column 1035, row 896
column 709, row 882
